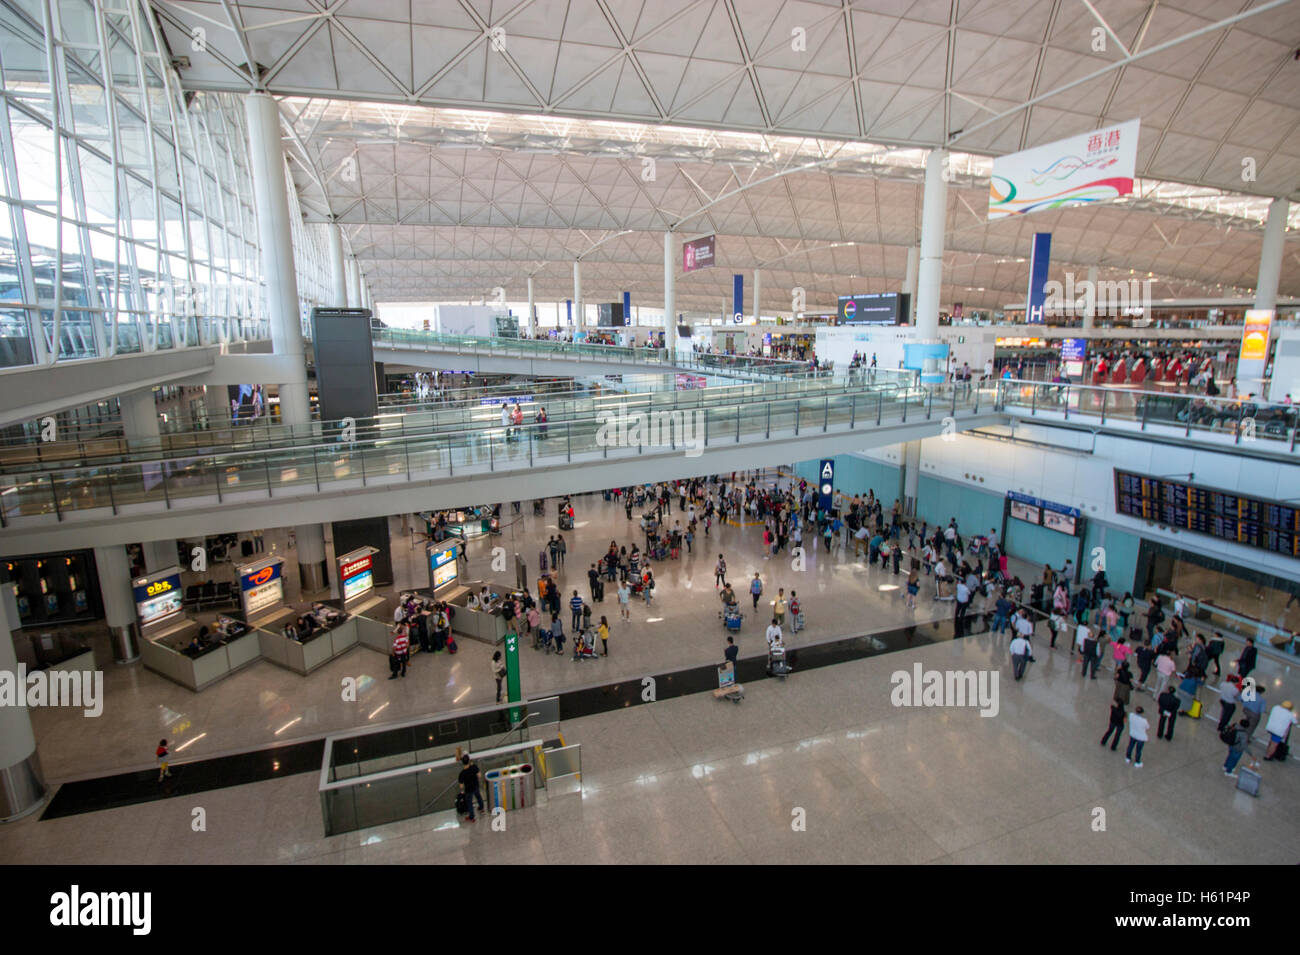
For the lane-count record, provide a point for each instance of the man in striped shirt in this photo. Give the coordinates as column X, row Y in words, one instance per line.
column 575, row 606
column 401, row 653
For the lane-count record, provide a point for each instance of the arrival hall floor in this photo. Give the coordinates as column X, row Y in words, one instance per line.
column 265, row 705
column 697, row 780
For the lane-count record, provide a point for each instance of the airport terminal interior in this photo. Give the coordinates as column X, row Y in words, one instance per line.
column 649, row 432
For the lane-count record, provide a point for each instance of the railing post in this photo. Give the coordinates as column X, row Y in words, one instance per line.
column 266, row 466
column 491, row 455
column 361, row 452
column 738, row 424
column 451, row 468
column 768, row 432
column 113, row 501
column 826, row 412
column 954, row 400
column 880, row 406
column 1105, row 395
column 929, row 403
column 315, row 470
column 1067, row 402
column 706, row 426
column 406, row 449
column 568, row 438
column 1240, row 410
column 1146, row 405
column 853, row 411
column 797, row 409
column 1033, row 401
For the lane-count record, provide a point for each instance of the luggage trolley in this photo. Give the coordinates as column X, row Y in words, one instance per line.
column 731, row 617
column 777, row 665
column 728, row 688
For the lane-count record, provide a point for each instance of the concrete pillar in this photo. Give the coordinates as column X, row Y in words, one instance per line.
column 758, row 295
column 1090, row 303
column 275, row 240
column 158, row 555
column 670, row 293
column 22, row 786
column 579, row 312
column 140, row 419
column 354, row 282
column 1270, row 254
column 114, row 570
column 531, row 318
column 909, row 280
column 934, row 213
column 338, row 272
column 310, row 541
column 909, row 477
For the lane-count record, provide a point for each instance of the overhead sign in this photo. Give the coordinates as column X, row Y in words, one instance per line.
column 737, row 298
column 1056, row 517
column 1039, row 261
column 698, row 253
column 826, row 483
column 1096, row 166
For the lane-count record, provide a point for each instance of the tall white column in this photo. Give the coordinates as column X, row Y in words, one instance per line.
column 934, row 213
column 532, row 309
column 909, row 280
column 365, row 296
column 140, row 418
column 158, row 555
column 1270, row 254
column 758, row 295
column 22, row 785
column 910, row 466
column 114, row 571
column 579, row 313
column 1090, row 302
column 670, row 293
column 338, row 274
column 354, row 282
column 929, row 276
column 276, row 246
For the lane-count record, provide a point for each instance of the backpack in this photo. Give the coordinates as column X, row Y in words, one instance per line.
column 1229, row 735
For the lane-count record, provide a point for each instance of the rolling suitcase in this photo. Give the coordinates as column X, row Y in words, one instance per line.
column 1248, row 781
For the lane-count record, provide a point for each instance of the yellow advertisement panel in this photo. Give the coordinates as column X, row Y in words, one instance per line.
column 1254, row 336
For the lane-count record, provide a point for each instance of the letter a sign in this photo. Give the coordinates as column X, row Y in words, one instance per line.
column 826, row 483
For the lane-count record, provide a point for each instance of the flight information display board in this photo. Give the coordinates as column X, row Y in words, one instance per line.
column 1269, row 525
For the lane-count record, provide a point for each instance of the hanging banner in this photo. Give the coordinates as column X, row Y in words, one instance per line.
column 698, row 253
column 738, row 299
column 514, row 692
column 1095, row 166
column 1039, row 261
column 1254, row 336
column 627, row 308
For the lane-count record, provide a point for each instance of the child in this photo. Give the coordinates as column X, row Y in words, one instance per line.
column 161, row 753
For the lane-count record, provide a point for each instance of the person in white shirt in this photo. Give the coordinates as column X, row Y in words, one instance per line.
column 773, row 634
column 471, row 602
column 1280, row 720
column 1180, row 605
column 1024, row 626
column 1020, row 651
column 940, row 575
column 1137, row 737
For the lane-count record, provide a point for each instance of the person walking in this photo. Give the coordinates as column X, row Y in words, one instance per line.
column 913, row 587
column 1091, row 658
column 1137, row 737
column 624, row 597
column 720, row 573
column 779, row 606
column 732, row 652
column 1215, row 651
column 1229, row 695
column 575, row 610
column 1252, row 708
column 1280, row 720
column 161, row 754
column 593, row 581
column 1118, row 716
column 1020, row 653
column 1165, row 669
column 1246, row 661
column 603, row 632
column 469, row 785
column 1168, row 706
column 756, row 589
column 498, row 671
column 401, row 653
column 561, row 549
column 1238, row 740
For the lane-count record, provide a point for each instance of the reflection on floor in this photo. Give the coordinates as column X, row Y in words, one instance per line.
column 819, row 768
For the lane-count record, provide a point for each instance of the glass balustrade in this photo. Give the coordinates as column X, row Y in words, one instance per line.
column 684, row 422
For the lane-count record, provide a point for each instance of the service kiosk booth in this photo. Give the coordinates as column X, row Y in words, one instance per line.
column 261, row 593
column 444, row 570
column 168, row 644
column 485, row 624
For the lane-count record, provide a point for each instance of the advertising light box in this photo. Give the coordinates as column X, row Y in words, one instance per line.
column 698, row 253
column 261, row 586
column 881, row 309
column 158, row 597
column 356, row 573
column 443, row 568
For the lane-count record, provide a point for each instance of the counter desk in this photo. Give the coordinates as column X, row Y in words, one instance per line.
column 165, row 650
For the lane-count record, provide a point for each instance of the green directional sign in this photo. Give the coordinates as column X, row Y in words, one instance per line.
column 513, row 693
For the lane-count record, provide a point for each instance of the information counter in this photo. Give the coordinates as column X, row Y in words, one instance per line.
column 487, row 625
column 167, row 649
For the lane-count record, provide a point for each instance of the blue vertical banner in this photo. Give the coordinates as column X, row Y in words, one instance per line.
column 568, row 311
column 627, row 308
column 737, row 299
column 826, row 483
column 1039, row 261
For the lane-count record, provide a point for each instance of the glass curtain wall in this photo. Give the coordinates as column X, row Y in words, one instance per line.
column 128, row 222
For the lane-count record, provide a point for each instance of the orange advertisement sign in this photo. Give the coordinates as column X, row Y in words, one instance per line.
column 1254, row 336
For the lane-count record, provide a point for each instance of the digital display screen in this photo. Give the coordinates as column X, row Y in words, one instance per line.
column 881, row 309
column 1055, row 520
column 358, row 584
column 444, row 574
column 1268, row 525
column 1024, row 512
column 153, row 609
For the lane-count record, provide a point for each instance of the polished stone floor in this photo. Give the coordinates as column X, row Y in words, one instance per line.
column 697, row 780
column 265, row 704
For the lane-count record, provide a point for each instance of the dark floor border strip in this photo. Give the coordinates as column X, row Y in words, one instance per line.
column 127, row 789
